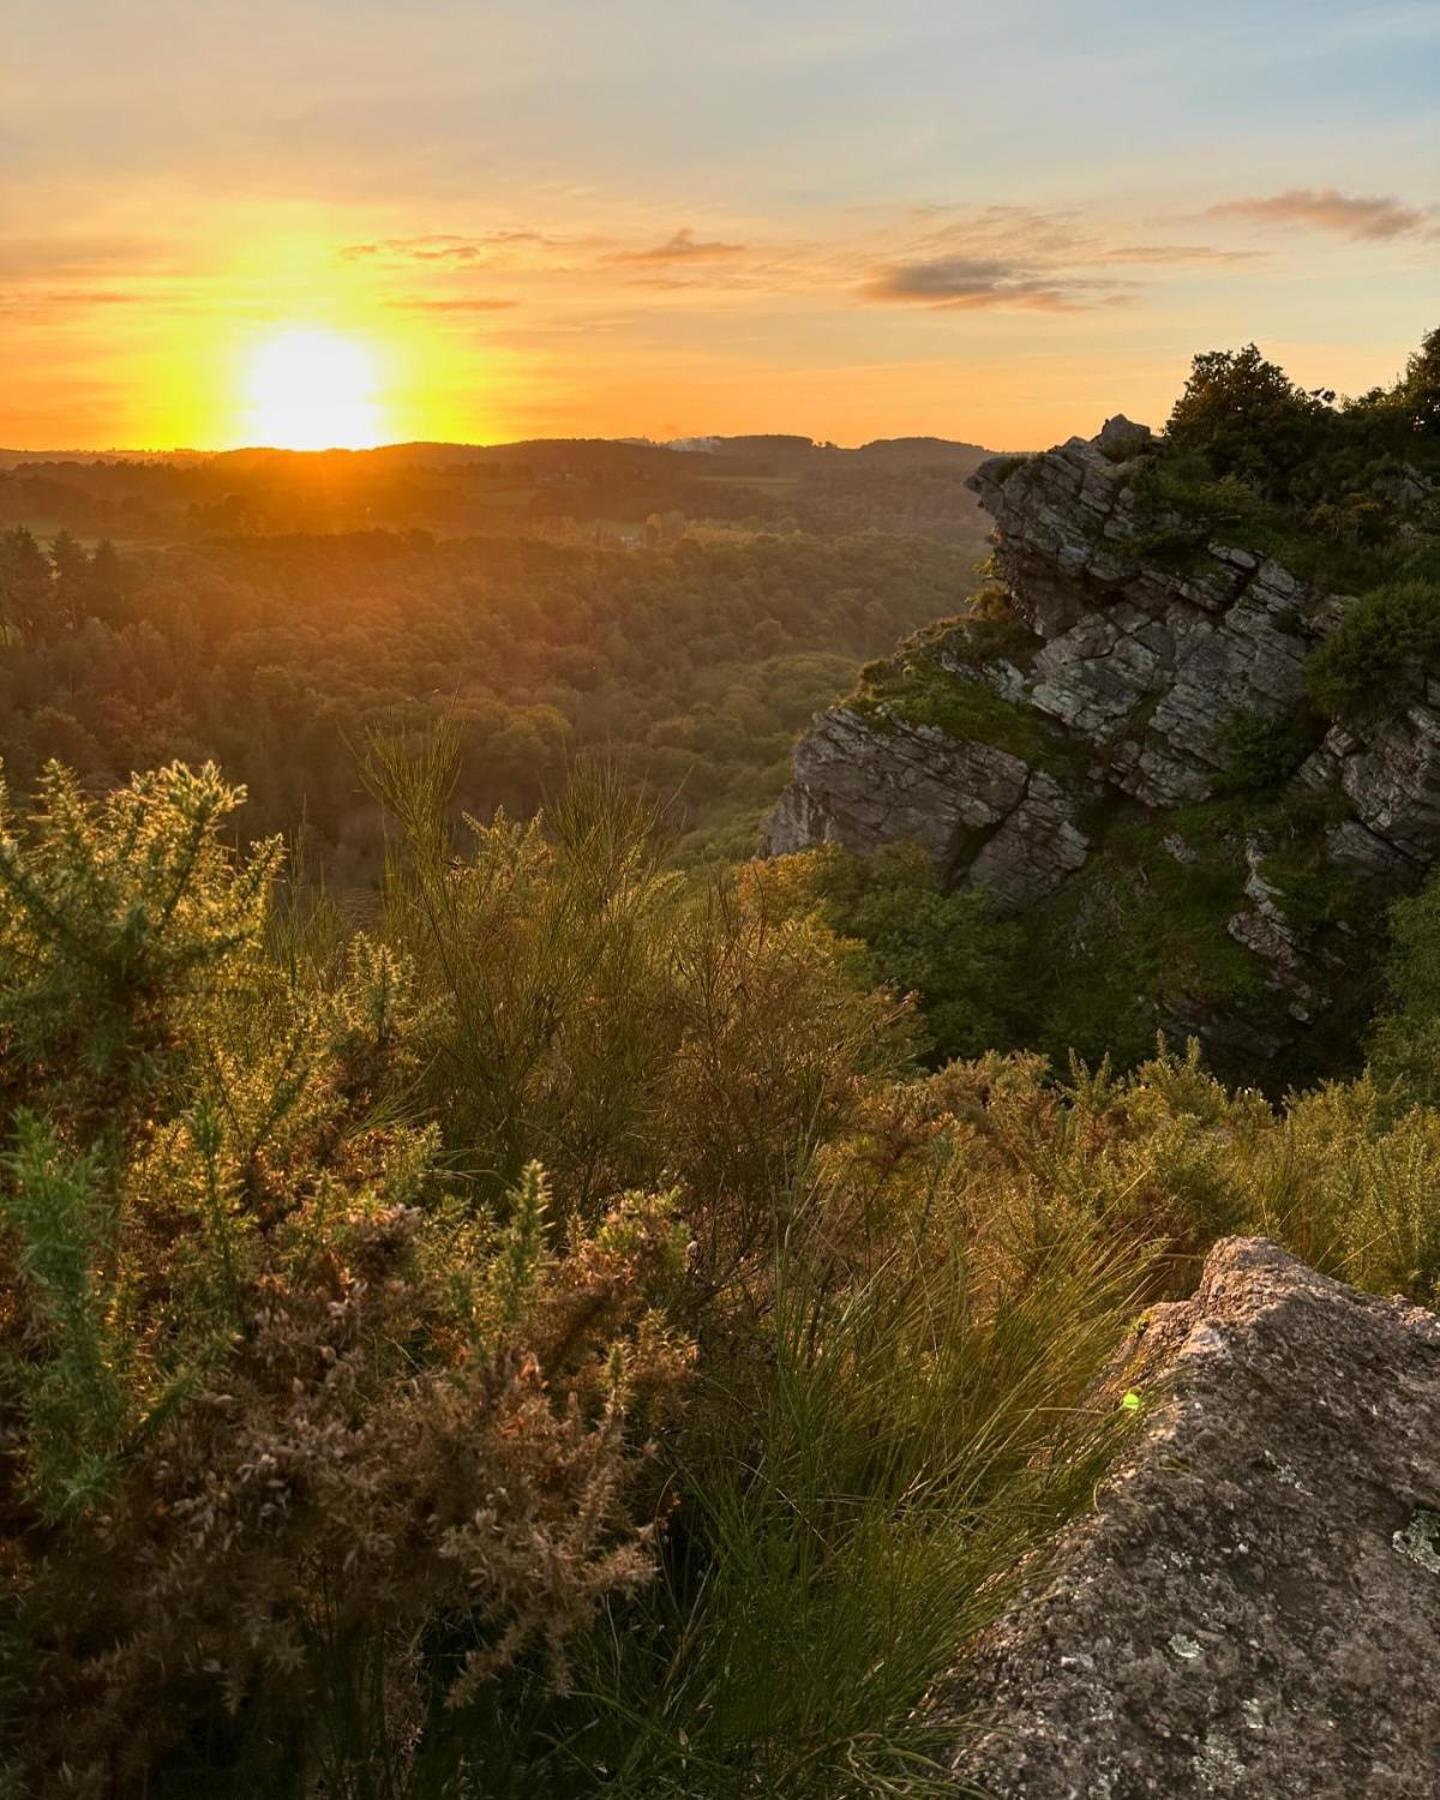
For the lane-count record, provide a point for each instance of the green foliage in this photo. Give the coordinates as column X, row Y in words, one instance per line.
column 866, row 1507
column 1375, row 664
column 72, row 1394
column 990, row 628
column 1417, row 394
column 692, row 663
column 1246, row 416
column 951, row 949
column 119, row 911
column 1328, row 490
column 926, row 682
column 279, row 1396
column 351, row 1456
column 916, row 690
column 1193, row 507
column 1142, row 931
column 1261, row 754
column 1405, row 1046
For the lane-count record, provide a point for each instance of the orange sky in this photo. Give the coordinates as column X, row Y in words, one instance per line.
column 854, row 221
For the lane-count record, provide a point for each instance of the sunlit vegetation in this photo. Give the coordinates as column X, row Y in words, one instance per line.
column 566, row 488
column 469, row 1353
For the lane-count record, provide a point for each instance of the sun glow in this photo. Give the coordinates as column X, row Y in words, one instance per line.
column 314, row 390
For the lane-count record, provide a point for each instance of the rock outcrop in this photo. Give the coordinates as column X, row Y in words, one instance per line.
column 980, row 811
column 1148, row 663
column 1142, row 662
column 1253, row 1607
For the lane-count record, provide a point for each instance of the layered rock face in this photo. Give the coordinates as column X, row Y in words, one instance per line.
column 1253, row 1607
column 1148, row 665
column 982, row 813
column 1143, row 665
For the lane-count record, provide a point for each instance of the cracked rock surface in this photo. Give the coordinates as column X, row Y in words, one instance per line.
column 1155, row 660
column 1253, row 1607
column 1143, row 658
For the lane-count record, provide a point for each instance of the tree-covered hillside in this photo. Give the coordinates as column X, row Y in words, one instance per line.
column 692, row 664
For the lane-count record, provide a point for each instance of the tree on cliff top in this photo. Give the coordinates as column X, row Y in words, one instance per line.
column 1246, row 415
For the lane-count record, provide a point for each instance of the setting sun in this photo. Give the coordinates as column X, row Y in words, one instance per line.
column 313, row 390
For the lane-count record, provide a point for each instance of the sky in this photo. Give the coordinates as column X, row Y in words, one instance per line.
column 846, row 218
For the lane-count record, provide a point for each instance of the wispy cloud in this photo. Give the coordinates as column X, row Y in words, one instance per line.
column 1179, row 253
column 49, row 258
column 64, row 298
column 681, row 247
column 443, row 247
column 971, row 284
column 479, row 303
column 1327, row 209
column 1024, row 259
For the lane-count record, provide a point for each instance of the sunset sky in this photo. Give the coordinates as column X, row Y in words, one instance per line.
column 846, row 218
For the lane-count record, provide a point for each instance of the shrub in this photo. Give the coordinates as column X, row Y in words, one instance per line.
column 342, row 1461
column 1374, row 664
column 953, row 951
column 581, row 1005
column 279, row 1401
column 1262, row 753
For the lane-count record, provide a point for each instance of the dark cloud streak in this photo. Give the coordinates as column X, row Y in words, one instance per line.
column 1373, row 216
column 683, row 246
column 974, row 284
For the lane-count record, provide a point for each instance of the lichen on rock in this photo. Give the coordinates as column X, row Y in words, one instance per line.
column 1215, row 1626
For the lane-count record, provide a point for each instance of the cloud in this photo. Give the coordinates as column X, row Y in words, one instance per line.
column 972, row 283
column 479, row 304
column 683, row 246
column 1179, row 253
column 442, row 247
column 1017, row 258
column 50, row 257
column 63, row 299
column 1009, row 230
column 1326, row 209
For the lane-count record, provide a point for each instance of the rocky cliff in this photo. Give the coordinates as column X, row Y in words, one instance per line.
column 1115, row 739
column 1253, row 1606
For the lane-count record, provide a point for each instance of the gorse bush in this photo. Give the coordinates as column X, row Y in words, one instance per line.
column 581, row 1006
column 341, row 1454
column 278, row 1401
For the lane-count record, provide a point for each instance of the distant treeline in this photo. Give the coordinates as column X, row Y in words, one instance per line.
column 774, row 483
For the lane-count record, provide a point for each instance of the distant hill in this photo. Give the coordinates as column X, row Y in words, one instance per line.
column 431, row 453
column 913, row 450
column 622, row 487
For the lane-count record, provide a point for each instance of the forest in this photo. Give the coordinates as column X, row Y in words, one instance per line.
column 692, row 663
column 469, row 1318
